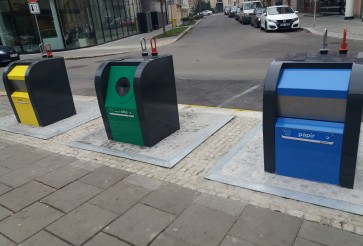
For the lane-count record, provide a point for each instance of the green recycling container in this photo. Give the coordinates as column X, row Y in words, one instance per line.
column 137, row 99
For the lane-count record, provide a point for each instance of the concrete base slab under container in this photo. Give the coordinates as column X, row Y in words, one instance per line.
column 86, row 109
column 195, row 128
column 243, row 166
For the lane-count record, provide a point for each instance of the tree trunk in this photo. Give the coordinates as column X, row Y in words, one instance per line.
column 162, row 16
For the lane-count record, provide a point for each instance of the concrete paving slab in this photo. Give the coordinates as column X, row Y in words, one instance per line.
column 140, row 225
column 4, row 189
column 120, row 197
column 104, row 177
column 22, row 159
column 25, row 195
column 143, row 181
column 4, row 213
column 195, row 128
column 23, row 175
column 55, row 161
column 14, row 150
column 71, row 196
column 6, row 242
column 225, row 205
column 201, row 226
column 322, row 234
column 81, row 224
column 170, row 198
column 302, row 242
column 4, row 170
column 243, row 166
column 230, row 240
column 105, row 240
column 266, row 227
column 43, row 238
column 87, row 110
column 28, row 221
column 62, row 176
column 165, row 240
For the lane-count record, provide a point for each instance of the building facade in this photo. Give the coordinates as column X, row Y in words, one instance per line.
column 67, row 24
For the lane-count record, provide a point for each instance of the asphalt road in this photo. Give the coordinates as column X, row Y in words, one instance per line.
column 219, row 63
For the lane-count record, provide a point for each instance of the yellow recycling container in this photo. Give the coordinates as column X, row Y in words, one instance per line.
column 173, row 22
column 39, row 91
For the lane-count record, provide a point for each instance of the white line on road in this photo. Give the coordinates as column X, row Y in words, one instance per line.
column 238, row 95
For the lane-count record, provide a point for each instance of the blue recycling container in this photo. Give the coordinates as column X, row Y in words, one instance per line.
column 312, row 108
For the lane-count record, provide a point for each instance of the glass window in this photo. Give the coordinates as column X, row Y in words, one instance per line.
column 98, row 29
column 77, row 22
column 8, row 35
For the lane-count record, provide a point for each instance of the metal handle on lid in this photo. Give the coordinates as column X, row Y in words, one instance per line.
column 42, row 50
column 154, row 51
column 143, row 47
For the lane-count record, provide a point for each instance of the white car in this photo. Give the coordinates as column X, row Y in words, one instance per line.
column 206, row 12
column 279, row 17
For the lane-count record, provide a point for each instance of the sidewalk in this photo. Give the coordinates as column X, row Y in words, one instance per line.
column 53, row 194
column 51, row 199
column 120, row 46
column 335, row 25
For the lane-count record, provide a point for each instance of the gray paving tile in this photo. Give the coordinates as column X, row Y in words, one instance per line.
column 104, row 177
column 5, row 242
column 140, row 225
column 170, row 198
column 201, row 226
column 71, row 196
column 303, row 242
column 14, row 150
column 4, row 170
column 105, row 240
column 81, row 224
column 25, row 195
column 55, row 161
column 4, row 189
column 62, row 176
column 230, row 240
column 225, row 205
column 28, row 221
column 23, row 175
column 328, row 236
column 166, row 240
column 4, row 213
column 120, row 197
column 146, row 182
column 43, row 238
column 22, row 159
column 266, row 227
column 88, row 165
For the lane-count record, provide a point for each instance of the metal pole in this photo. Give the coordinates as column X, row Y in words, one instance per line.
column 36, row 21
column 314, row 12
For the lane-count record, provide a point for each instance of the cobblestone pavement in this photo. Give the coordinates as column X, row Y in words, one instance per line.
column 50, row 191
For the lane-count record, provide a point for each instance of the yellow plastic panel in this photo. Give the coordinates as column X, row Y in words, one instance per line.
column 24, row 108
column 18, row 72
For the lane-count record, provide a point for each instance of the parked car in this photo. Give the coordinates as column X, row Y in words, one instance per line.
column 227, row 9
column 256, row 17
column 232, row 12
column 247, row 11
column 206, row 12
column 236, row 16
column 279, row 17
column 7, row 55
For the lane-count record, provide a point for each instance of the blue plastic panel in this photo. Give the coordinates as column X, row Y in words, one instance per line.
column 309, row 149
column 325, row 83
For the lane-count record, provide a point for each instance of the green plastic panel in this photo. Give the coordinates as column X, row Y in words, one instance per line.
column 122, row 110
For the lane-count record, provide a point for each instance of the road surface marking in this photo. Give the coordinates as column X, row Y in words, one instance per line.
column 238, row 95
